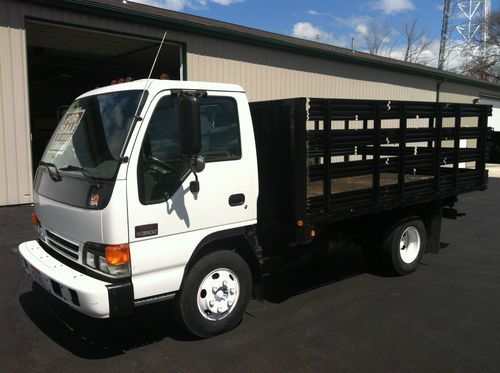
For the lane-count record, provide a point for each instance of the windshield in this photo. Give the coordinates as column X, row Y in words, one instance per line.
column 91, row 134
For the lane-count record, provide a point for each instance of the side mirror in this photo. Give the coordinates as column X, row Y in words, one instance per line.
column 197, row 163
column 189, row 125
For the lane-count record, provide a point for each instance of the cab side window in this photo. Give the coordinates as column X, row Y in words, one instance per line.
column 220, row 131
column 162, row 166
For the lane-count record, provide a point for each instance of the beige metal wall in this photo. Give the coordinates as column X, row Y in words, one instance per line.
column 265, row 74
column 15, row 148
column 268, row 74
column 453, row 92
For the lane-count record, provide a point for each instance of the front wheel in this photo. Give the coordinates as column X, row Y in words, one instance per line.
column 404, row 246
column 215, row 294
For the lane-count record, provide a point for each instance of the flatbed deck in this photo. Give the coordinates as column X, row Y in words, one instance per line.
column 352, row 183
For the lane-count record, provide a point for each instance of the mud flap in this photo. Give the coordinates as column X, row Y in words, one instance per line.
column 434, row 231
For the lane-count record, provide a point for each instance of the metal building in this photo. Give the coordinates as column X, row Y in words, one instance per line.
column 53, row 50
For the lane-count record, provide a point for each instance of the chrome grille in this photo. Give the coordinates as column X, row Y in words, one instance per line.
column 62, row 245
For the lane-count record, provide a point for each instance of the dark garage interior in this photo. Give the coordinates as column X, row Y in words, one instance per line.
column 64, row 62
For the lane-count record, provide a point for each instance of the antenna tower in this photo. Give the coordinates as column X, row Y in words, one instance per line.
column 464, row 29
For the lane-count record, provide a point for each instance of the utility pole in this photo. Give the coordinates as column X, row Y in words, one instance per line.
column 444, row 34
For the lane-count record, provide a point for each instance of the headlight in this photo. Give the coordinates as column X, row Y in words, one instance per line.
column 90, row 259
column 113, row 260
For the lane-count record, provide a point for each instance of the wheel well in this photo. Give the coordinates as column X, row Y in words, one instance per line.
column 386, row 222
column 239, row 244
column 393, row 223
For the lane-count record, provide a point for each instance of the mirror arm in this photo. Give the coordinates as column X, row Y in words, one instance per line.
column 194, row 186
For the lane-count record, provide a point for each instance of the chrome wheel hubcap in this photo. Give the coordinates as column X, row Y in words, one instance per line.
column 218, row 294
column 409, row 245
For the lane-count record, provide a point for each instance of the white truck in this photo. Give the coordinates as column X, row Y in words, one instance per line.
column 153, row 190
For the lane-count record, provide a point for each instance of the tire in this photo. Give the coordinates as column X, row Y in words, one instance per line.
column 404, row 247
column 215, row 294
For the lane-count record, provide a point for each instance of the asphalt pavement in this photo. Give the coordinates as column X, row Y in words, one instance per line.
column 328, row 316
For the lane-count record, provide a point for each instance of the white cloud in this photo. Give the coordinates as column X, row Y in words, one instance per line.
column 455, row 59
column 362, row 29
column 353, row 21
column 360, row 24
column 313, row 12
column 306, row 30
column 179, row 5
column 176, row 5
column 226, row 2
column 393, row 6
column 397, row 53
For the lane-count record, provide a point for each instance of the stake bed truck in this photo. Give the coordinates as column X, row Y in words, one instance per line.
column 156, row 190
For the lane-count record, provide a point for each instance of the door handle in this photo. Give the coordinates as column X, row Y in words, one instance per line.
column 236, row 199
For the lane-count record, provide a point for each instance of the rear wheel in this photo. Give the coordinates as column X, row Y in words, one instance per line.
column 404, row 246
column 215, row 294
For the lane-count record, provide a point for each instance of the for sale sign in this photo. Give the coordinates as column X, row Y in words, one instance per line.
column 65, row 132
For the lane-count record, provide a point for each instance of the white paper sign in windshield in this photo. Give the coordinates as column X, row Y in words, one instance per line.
column 65, row 132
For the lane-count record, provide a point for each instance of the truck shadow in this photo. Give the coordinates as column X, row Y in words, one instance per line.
column 91, row 338
column 336, row 266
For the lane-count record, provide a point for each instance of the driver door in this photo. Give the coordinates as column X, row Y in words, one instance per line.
column 166, row 220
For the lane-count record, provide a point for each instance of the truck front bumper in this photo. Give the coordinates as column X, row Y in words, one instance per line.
column 82, row 292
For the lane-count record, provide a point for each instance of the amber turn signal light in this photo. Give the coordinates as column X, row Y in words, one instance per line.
column 117, row 254
column 34, row 219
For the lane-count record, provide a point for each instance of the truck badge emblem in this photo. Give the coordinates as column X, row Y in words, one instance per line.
column 146, row 230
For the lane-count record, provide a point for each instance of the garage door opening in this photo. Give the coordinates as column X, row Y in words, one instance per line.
column 64, row 62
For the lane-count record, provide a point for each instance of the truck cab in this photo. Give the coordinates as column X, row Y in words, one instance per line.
column 119, row 212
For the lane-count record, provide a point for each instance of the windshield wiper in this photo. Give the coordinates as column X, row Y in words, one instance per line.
column 53, row 171
column 83, row 171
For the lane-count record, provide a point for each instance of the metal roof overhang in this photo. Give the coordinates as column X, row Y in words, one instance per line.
column 139, row 13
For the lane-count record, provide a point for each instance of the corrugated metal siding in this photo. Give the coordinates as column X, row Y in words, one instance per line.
column 453, row 92
column 15, row 155
column 269, row 74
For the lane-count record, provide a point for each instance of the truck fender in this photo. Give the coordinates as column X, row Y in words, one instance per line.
column 430, row 215
column 234, row 239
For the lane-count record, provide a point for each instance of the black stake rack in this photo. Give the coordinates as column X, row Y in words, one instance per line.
column 324, row 160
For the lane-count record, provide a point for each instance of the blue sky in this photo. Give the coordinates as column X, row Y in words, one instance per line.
column 332, row 22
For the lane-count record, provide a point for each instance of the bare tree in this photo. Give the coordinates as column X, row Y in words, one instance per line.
column 376, row 38
column 493, row 25
column 482, row 67
column 415, row 41
column 485, row 63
